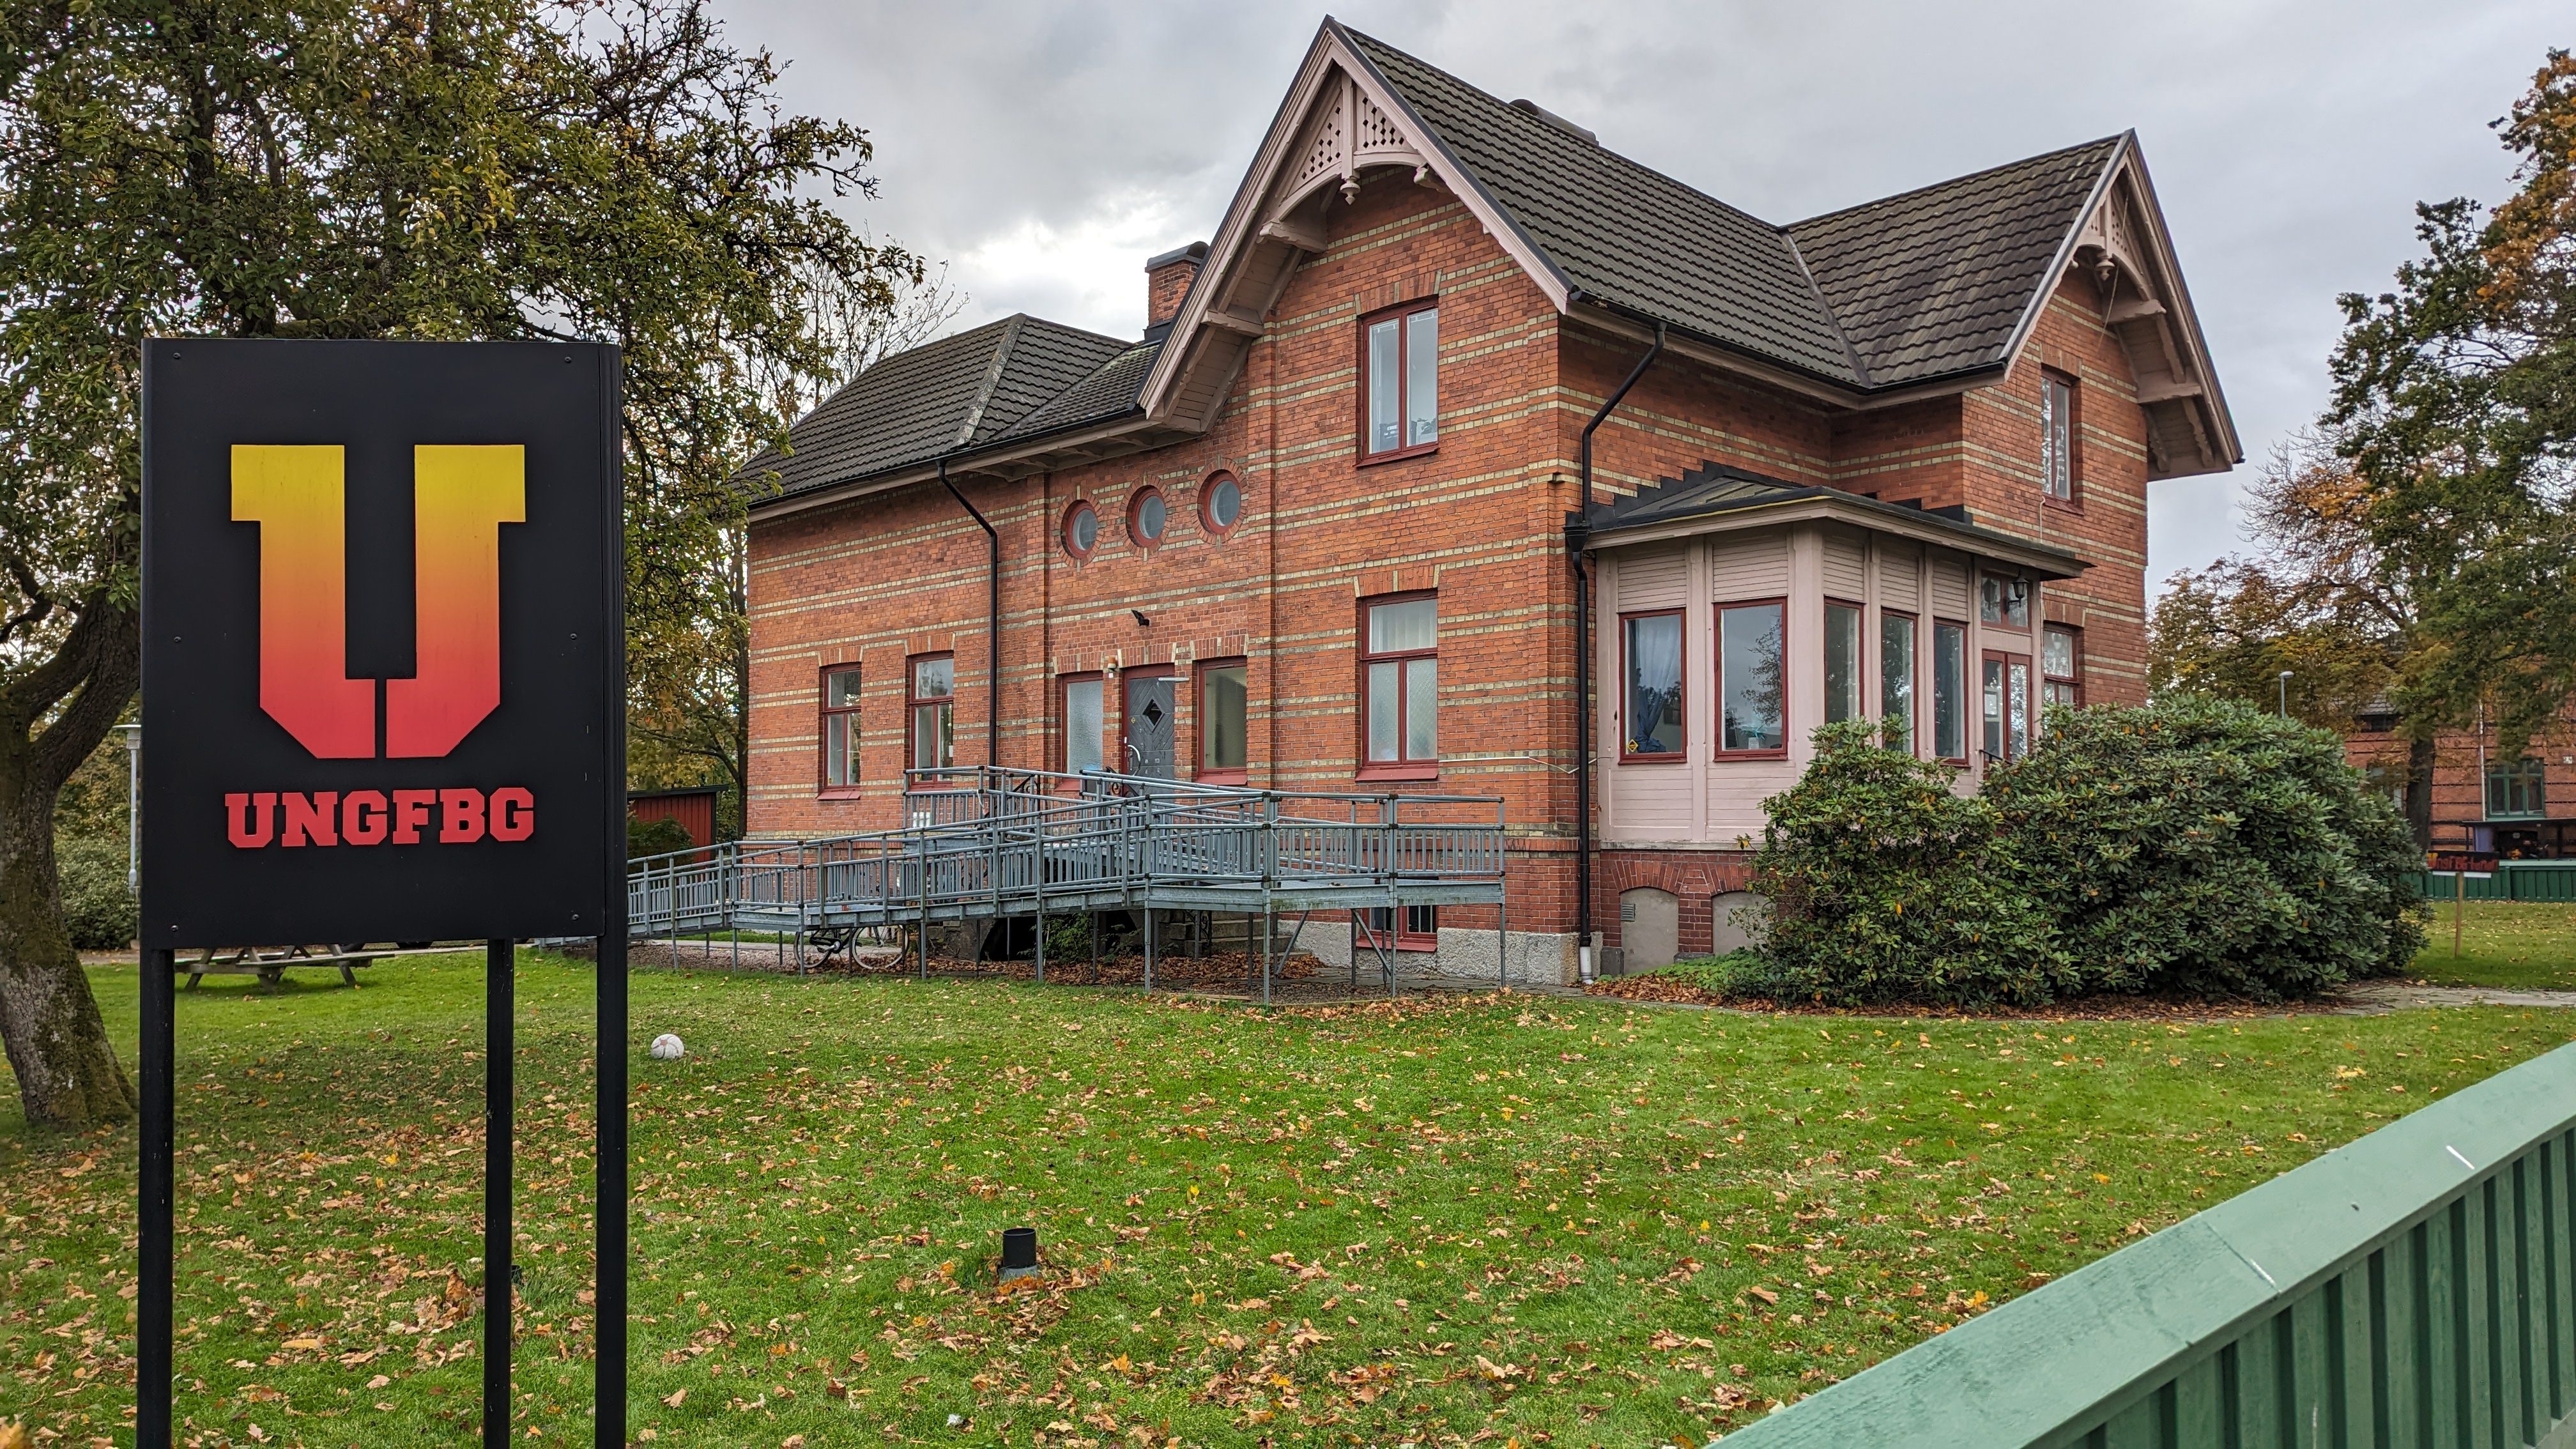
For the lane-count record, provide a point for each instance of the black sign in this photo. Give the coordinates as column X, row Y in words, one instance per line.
column 2463, row 862
column 381, row 660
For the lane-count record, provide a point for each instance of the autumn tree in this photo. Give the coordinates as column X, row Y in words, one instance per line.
column 2455, row 403
column 450, row 169
column 2314, row 597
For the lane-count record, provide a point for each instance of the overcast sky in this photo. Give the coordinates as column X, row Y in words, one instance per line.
column 1044, row 150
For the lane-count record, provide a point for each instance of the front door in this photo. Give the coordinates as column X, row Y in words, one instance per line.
column 1149, row 727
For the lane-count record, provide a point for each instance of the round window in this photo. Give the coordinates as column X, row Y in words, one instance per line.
column 1222, row 499
column 1145, row 517
column 1081, row 530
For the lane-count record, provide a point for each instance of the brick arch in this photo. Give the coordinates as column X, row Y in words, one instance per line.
column 1695, row 877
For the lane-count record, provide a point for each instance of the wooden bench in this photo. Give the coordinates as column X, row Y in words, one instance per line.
column 271, row 963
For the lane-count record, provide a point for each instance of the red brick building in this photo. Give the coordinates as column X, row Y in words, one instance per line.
column 1317, row 528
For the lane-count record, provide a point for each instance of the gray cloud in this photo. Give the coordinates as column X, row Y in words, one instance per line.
column 1045, row 149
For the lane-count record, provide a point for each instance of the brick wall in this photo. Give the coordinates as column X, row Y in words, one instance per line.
column 884, row 578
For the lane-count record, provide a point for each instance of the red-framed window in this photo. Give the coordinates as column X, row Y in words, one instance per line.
column 1224, row 721
column 1078, row 745
column 1147, row 517
column 2061, row 666
column 1753, row 679
column 1081, row 531
column 838, row 756
column 2060, row 429
column 930, row 710
column 1842, row 660
column 1400, row 687
column 1400, row 382
column 2006, row 696
column 1898, row 636
column 1220, row 504
column 1419, row 930
column 1651, row 686
column 1950, row 691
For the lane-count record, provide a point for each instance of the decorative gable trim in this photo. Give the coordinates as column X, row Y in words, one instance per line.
column 2121, row 243
column 1340, row 118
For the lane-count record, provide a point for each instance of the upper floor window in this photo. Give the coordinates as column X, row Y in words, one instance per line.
column 1401, row 676
column 2057, row 436
column 1081, row 529
column 1653, row 705
column 1146, row 515
column 2061, row 667
column 1220, row 503
column 2516, row 789
column 931, row 705
column 1400, row 382
column 840, row 727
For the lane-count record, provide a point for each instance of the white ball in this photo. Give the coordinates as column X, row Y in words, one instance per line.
column 666, row 1047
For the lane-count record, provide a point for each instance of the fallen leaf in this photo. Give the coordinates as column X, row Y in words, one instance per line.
column 675, row 1398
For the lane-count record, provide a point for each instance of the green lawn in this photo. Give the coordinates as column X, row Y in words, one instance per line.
column 2527, row 944
column 1553, row 1221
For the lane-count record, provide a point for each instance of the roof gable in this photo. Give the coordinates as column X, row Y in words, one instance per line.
column 1941, row 278
column 1935, row 289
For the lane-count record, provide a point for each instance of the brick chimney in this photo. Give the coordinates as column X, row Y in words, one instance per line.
column 1167, row 281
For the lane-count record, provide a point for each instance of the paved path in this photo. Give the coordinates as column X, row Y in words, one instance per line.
column 2376, row 998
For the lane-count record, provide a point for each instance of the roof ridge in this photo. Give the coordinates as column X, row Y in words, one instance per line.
column 1965, row 176
column 992, row 379
column 1621, row 157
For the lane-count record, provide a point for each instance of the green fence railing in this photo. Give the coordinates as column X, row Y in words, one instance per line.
column 2513, row 880
column 2415, row 1288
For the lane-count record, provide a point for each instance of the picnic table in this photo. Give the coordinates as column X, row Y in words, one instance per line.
column 271, row 963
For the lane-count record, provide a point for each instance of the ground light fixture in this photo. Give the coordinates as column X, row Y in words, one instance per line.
column 1019, row 1254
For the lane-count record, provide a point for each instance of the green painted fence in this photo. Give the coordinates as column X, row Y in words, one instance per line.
column 2514, row 880
column 2415, row 1288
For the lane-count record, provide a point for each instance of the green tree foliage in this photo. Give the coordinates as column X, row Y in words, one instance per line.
column 658, row 836
column 2455, row 400
column 365, row 168
column 2195, row 845
column 2316, row 598
column 2208, row 847
column 1885, row 884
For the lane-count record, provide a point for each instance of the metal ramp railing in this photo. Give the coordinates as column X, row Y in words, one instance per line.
column 994, row 843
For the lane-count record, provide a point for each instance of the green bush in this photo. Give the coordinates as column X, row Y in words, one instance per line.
column 98, row 910
column 2204, row 846
column 1885, row 885
column 2192, row 845
column 654, row 837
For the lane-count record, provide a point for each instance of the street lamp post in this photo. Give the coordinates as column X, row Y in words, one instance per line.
column 2285, row 693
column 133, row 803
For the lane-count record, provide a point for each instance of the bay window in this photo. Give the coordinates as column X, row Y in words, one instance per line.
column 1949, row 691
column 1651, row 697
column 1751, row 694
column 1842, row 662
column 1896, row 680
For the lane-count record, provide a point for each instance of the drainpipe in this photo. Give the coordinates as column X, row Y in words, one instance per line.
column 993, row 624
column 1578, row 534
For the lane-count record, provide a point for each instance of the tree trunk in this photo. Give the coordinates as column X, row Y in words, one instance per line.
column 2419, row 790
column 68, row 1075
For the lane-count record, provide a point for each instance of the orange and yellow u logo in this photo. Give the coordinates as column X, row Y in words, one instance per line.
column 297, row 494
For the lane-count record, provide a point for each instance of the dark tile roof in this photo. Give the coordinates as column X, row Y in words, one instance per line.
column 956, row 392
column 1898, row 291
column 1937, row 280
column 1622, row 233
column 1720, row 488
column 1107, row 392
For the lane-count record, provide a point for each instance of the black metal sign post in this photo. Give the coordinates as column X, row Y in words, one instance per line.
column 384, row 676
